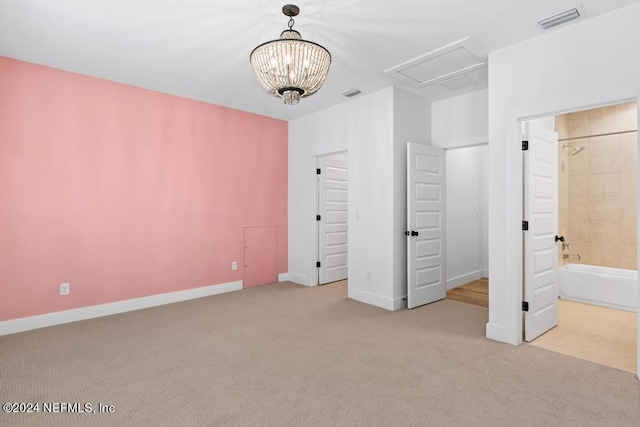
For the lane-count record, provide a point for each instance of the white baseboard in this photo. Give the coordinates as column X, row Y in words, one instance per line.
column 466, row 278
column 283, row 277
column 372, row 299
column 400, row 303
column 61, row 317
column 298, row 278
column 498, row 333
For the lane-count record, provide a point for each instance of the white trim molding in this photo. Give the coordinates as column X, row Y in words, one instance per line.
column 283, row 277
column 400, row 303
column 61, row 317
column 499, row 333
column 377, row 300
column 299, row 279
column 466, row 278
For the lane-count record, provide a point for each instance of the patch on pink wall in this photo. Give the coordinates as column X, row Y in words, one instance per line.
column 260, row 246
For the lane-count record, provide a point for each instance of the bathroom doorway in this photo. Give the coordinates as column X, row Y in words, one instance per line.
column 597, row 235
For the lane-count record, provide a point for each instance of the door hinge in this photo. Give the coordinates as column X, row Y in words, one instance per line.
column 525, row 145
column 525, row 306
column 318, row 264
column 318, row 217
column 525, row 225
column 318, row 171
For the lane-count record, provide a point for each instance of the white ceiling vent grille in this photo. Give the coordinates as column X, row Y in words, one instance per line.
column 352, row 92
column 443, row 64
column 458, row 83
column 561, row 18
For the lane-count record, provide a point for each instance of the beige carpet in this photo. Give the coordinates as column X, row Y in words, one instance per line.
column 288, row 355
column 598, row 334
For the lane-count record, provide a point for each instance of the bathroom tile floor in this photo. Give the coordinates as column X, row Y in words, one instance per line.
column 598, row 334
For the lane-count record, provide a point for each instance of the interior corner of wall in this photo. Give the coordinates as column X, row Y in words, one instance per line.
column 283, row 277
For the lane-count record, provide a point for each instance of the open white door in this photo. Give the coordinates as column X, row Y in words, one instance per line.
column 332, row 220
column 426, row 224
column 541, row 214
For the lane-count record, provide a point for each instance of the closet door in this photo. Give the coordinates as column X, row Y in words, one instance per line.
column 260, row 262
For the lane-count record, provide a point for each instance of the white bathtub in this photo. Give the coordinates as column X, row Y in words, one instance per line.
column 609, row 287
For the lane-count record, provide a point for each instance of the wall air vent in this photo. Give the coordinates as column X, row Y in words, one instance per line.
column 443, row 64
column 561, row 18
column 352, row 92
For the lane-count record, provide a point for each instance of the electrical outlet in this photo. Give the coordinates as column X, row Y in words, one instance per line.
column 234, row 265
column 368, row 275
column 64, row 289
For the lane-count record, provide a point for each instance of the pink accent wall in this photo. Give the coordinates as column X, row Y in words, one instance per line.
column 124, row 192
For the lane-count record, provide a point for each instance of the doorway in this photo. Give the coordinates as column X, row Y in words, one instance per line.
column 467, row 234
column 596, row 254
column 331, row 218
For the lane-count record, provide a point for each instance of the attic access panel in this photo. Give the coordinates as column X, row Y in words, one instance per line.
column 458, row 82
column 442, row 64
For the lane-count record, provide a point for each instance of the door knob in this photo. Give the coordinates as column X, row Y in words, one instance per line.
column 407, row 233
column 561, row 238
column 414, row 233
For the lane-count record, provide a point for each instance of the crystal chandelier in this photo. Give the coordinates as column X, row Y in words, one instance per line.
column 289, row 67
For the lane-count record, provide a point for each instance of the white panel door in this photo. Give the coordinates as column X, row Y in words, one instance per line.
column 540, row 249
column 425, row 224
column 332, row 226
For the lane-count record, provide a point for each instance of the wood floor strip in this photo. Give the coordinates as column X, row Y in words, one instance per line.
column 476, row 293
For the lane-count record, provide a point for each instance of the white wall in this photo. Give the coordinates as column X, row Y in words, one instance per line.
column 461, row 121
column 548, row 122
column 307, row 139
column 467, row 215
column 364, row 127
column 411, row 123
column 579, row 66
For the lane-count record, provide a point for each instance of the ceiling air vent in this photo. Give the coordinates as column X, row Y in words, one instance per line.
column 561, row 18
column 352, row 92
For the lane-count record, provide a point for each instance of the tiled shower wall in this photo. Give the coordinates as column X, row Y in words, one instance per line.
column 597, row 186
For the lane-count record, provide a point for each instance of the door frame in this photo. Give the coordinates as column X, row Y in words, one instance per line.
column 520, row 202
column 316, row 208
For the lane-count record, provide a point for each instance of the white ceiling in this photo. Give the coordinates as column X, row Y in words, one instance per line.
column 200, row 49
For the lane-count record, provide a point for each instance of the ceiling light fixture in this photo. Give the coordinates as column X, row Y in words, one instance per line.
column 289, row 67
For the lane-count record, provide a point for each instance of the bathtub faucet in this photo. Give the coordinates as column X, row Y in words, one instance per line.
column 565, row 256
